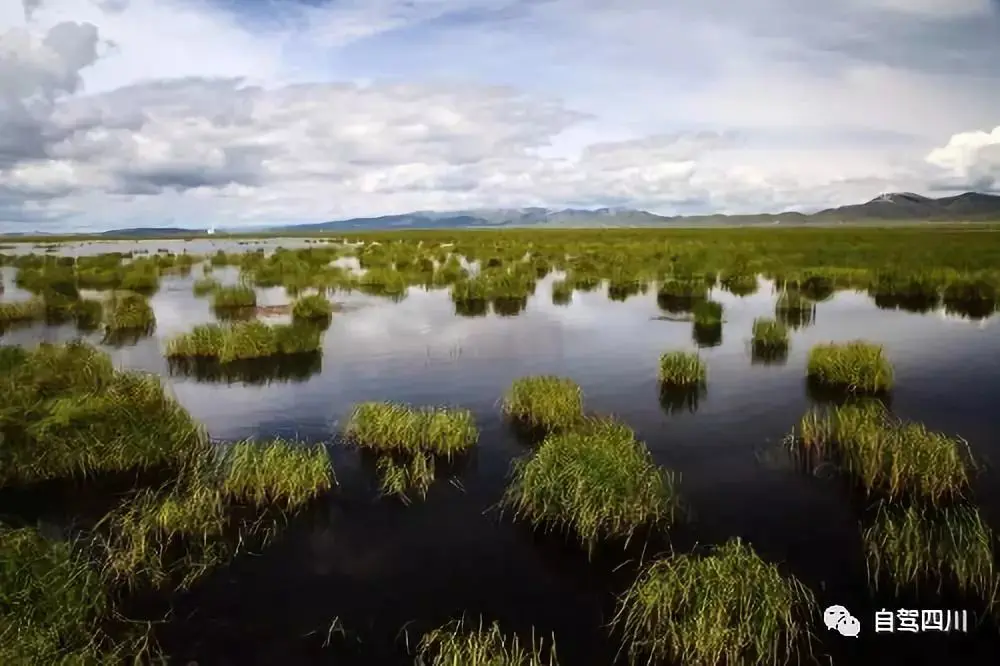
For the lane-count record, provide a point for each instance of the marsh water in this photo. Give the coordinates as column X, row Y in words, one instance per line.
column 388, row 571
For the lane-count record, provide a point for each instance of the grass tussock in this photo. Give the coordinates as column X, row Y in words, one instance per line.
column 680, row 368
column 545, row 401
column 912, row 546
column 770, row 335
column 65, row 411
column 707, row 314
column 885, row 454
column 727, row 607
column 391, row 427
column 234, row 297
column 596, row 483
column 244, row 340
column 129, row 311
column 159, row 537
column 455, row 645
column 276, row 473
column 312, row 308
column 22, row 311
column 205, row 286
column 857, row 366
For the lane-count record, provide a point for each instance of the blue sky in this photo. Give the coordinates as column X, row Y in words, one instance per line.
column 232, row 112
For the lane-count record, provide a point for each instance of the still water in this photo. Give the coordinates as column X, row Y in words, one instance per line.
column 379, row 566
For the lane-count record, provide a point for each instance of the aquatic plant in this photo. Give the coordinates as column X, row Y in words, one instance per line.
column 726, row 607
column 545, row 401
column 388, row 427
column 707, row 314
column 769, row 335
column 88, row 314
column 680, row 368
column 886, row 454
column 595, row 482
column 312, row 308
column 244, row 340
column 413, row 474
column 22, row 311
column 284, row 368
column 276, row 472
column 562, row 293
column 681, row 296
column 915, row 546
column 54, row 607
column 857, row 366
column 454, row 645
column 65, row 411
column 156, row 537
column 739, row 284
column 206, row 285
column 129, row 311
column 232, row 297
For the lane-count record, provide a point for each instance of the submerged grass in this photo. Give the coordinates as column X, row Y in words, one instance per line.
column 401, row 478
column 233, row 297
column 912, row 546
column 545, row 401
column 680, row 368
column 245, row 340
column 455, row 645
column 857, row 366
column 885, row 454
column 728, row 607
column 277, row 472
column 393, row 427
column 596, row 483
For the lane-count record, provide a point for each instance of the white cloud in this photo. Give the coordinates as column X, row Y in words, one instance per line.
column 150, row 112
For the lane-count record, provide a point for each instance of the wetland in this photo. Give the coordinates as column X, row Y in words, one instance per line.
column 588, row 448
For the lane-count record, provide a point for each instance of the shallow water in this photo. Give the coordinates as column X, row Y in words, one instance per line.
column 377, row 565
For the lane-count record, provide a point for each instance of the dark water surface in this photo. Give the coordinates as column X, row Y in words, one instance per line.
column 380, row 566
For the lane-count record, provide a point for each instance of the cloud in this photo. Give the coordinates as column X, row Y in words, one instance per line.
column 192, row 112
column 972, row 161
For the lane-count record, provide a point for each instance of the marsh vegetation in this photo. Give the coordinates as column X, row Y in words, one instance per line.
column 589, row 493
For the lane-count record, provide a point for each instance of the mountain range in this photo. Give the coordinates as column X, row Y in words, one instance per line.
column 896, row 207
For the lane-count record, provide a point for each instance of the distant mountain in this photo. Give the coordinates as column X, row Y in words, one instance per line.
column 888, row 207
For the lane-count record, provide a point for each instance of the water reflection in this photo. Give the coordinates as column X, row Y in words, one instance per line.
column 762, row 355
column 286, row 368
column 675, row 399
column 706, row 336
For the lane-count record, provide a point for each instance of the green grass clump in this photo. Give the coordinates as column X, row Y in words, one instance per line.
column 21, row 311
column 707, row 313
column 562, row 292
column 913, row 546
column 857, row 366
column 389, row 427
column 312, row 308
column 545, row 401
column 769, row 335
column 234, row 297
column 205, row 286
column 728, row 607
column 53, row 603
column 276, row 472
column 156, row 537
column 596, row 483
column 244, row 340
column 402, row 477
column 129, row 311
column 679, row 368
column 885, row 454
column 65, row 411
column 454, row 645
column 88, row 314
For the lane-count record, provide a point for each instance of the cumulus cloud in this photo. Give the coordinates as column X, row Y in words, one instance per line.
column 151, row 112
column 971, row 159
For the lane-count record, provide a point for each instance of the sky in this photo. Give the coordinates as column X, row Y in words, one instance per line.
column 238, row 113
